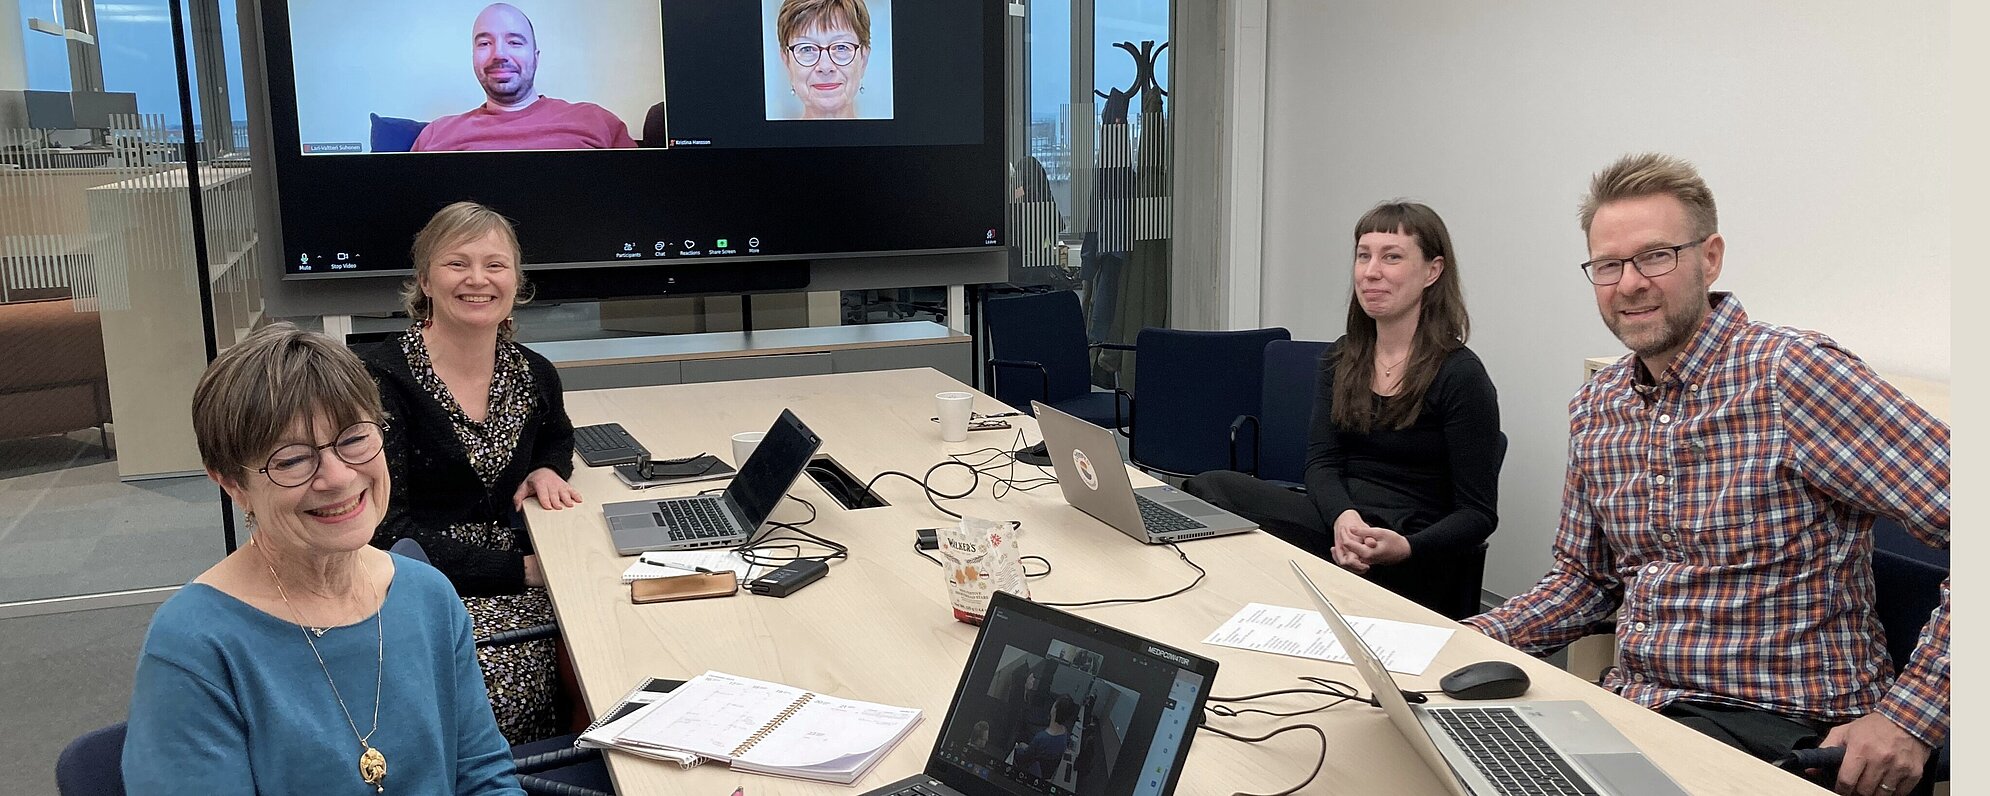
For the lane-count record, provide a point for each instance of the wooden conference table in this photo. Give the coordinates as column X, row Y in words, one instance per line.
column 879, row 627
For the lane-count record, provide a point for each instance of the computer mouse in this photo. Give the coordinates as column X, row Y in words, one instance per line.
column 1485, row 680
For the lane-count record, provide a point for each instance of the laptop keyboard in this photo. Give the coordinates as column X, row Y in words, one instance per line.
column 694, row 519
column 1509, row 752
column 925, row 788
column 1161, row 519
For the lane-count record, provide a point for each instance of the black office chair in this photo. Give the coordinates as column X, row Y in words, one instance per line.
column 1037, row 351
column 1271, row 445
column 549, row 766
column 1189, row 388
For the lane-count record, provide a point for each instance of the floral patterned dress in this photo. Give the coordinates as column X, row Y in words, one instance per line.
column 521, row 678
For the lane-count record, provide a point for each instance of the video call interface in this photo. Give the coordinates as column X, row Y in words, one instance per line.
column 617, row 94
column 1047, row 711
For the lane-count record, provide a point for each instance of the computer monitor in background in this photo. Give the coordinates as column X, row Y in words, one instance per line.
column 636, row 132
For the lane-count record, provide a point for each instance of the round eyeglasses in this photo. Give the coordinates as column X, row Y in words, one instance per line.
column 295, row 465
column 1650, row 263
column 841, row 53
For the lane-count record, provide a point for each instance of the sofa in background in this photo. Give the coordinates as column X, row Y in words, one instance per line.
column 52, row 374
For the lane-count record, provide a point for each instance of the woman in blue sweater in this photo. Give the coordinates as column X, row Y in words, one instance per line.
column 269, row 672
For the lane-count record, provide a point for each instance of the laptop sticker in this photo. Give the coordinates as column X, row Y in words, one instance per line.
column 1085, row 471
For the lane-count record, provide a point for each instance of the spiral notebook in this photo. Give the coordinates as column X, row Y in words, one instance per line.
column 601, row 734
column 770, row 728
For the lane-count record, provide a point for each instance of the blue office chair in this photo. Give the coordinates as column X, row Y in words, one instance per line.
column 1037, row 351
column 1271, row 445
column 1188, row 389
column 92, row 765
column 1907, row 587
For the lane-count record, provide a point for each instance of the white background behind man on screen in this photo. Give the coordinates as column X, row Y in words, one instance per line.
column 412, row 59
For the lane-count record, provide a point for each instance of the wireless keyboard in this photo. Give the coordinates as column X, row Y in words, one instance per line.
column 607, row 444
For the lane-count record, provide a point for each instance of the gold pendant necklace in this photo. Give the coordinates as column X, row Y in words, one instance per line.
column 372, row 764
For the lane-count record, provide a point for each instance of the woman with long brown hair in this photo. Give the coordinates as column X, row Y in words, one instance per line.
column 1402, row 471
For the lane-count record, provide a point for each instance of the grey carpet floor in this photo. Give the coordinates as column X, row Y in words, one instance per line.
column 66, row 674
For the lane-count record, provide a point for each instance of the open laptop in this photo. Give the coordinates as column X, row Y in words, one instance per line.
column 725, row 519
column 1502, row 749
column 1133, row 704
column 1089, row 471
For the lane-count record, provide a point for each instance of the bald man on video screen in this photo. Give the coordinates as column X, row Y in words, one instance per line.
column 504, row 54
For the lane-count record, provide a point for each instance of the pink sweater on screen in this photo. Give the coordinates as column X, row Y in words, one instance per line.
column 546, row 124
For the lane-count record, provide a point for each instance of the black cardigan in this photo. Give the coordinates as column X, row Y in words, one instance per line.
column 1436, row 482
column 434, row 484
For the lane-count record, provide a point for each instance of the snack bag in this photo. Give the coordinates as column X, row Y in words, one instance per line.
column 981, row 558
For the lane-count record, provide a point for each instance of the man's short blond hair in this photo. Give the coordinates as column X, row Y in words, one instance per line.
column 796, row 16
column 255, row 392
column 459, row 222
column 1653, row 174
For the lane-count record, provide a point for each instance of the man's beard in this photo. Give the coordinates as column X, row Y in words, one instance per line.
column 1677, row 323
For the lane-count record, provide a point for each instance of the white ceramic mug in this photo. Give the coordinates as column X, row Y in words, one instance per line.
column 743, row 444
column 955, row 409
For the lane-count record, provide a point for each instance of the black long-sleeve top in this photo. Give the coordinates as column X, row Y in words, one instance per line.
column 1435, row 482
column 434, row 484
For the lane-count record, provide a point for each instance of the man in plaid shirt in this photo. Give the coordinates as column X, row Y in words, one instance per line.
column 1721, row 491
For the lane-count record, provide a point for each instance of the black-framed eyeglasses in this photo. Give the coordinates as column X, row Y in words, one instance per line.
column 841, row 53
column 1650, row 263
column 295, row 465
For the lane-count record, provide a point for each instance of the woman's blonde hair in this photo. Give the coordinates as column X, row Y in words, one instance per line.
column 459, row 222
column 251, row 395
column 796, row 16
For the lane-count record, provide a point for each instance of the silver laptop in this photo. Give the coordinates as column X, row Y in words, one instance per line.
column 722, row 520
column 1093, row 479
column 1497, row 749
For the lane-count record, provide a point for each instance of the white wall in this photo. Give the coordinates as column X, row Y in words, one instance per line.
column 1822, row 128
column 412, row 59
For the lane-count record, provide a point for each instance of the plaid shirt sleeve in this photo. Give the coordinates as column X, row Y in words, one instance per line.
column 1859, row 439
column 1579, row 590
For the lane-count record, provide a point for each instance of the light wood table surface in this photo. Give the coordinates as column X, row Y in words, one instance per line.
column 879, row 627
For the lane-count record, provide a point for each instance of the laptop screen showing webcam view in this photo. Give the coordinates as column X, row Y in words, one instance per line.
column 1050, row 707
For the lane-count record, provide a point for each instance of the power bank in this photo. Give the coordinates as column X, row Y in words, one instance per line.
column 789, row 579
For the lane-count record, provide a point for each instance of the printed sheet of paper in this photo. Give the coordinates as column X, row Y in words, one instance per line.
column 1402, row 647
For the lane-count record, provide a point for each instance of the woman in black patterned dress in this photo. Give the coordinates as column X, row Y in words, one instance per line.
column 475, row 427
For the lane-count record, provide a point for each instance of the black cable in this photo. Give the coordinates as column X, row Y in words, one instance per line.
column 757, row 549
column 922, row 554
column 1028, row 574
column 1317, row 765
column 933, row 496
column 1200, row 573
column 1342, row 693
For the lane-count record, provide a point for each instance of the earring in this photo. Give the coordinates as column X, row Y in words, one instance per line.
column 509, row 325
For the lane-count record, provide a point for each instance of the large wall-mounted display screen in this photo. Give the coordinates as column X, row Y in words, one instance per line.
column 637, row 131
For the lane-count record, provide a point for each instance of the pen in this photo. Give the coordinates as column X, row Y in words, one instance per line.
column 673, row 565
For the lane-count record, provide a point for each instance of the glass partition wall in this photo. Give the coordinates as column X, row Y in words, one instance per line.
column 1091, row 191
column 126, row 259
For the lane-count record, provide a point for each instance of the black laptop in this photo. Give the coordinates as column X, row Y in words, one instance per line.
column 1052, row 704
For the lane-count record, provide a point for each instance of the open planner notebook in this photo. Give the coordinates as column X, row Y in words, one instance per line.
column 770, row 728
